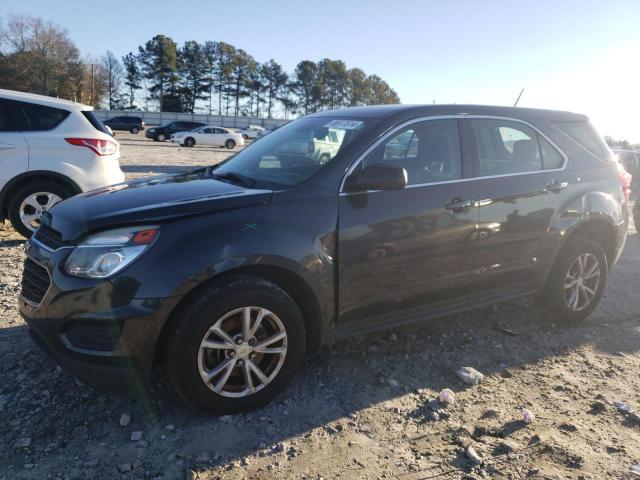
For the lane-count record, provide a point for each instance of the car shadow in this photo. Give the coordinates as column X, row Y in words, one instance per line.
column 333, row 387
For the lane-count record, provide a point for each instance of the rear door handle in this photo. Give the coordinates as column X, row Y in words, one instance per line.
column 459, row 205
column 555, row 186
column 7, row 146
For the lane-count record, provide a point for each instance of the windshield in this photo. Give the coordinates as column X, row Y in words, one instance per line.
column 293, row 153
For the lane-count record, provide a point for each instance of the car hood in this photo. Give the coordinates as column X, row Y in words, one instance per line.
column 149, row 200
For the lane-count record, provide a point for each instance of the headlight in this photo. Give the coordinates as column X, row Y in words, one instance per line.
column 103, row 254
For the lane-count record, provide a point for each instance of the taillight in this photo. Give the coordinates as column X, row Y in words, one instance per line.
column 625, row 181
column 101, row 147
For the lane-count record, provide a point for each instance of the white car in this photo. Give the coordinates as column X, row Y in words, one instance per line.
column 213, row 136
column 253, row 131
column 50, row 149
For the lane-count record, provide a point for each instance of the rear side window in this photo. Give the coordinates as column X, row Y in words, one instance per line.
column 507, row 147
column 30, row 117
column 95, row 121
column 585, row 135
column 5, row 120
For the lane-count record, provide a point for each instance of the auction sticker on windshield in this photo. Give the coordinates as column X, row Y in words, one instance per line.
column 344, row 124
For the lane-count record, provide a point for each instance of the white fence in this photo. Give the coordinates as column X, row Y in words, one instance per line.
column 161, row 118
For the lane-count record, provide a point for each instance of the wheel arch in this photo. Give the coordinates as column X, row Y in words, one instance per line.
column 25, row 178
column 296, row 287
column 600, row 229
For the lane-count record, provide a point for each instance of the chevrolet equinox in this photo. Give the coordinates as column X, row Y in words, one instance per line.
column 231, row 273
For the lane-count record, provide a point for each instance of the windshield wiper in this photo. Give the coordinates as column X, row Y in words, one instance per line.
column 233, row 177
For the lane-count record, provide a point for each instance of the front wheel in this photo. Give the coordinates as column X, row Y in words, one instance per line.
column 161, row 137
column 577, row 280
column 236, row 346
column 29, row 203
column 189, row 142
column 230, row 144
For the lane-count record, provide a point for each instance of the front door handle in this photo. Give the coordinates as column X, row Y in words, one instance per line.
column 555, row 186
column 459, row 205
column 7, row 146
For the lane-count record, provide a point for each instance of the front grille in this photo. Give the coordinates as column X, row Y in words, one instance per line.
column 35, row 282
column 49, row 237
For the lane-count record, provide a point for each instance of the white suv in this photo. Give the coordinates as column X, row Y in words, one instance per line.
column 50, row 149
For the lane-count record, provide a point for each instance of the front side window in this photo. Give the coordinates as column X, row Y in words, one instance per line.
column 429, row 151
column 292, row 154
column 508, row 147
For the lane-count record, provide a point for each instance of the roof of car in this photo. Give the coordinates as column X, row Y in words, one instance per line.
column 42, row 99
column 383, row 111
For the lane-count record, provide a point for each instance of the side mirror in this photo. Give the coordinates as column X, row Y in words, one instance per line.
column 377, row 176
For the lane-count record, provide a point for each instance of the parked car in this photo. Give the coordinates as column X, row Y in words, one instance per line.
column 630, row 161
column 253, row 131
column 319, row 149
column 214, row 136
column 232, row 273
column 126, row 123
column 50, row 149
column 160, row 134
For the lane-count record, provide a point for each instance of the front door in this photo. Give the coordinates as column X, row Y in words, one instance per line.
column 521, row 181
column 405, row 249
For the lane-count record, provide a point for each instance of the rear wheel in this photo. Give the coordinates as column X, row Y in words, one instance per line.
column 135, row 130
column 230, row 144
column 577, row 280
column 236, row 346
column 189, row 142
column 29, row 203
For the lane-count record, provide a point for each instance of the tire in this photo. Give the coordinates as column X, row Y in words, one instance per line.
column 188, row 363
column 245, row 136
column 135, row 130
column 230, row 144
column 26, row 202
column 161, row 137
column 189, row 142
column 557, row 299
column 324, row 158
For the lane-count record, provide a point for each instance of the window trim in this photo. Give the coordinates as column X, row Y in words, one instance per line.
column 402, row 125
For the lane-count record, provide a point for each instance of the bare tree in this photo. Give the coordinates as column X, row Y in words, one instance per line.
column 113, row 73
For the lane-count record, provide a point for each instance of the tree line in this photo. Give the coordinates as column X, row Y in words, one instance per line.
column 212, row 77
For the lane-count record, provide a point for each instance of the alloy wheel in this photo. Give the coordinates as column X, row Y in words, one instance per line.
column 242, row 352
column 581, row 282
column 33, row 206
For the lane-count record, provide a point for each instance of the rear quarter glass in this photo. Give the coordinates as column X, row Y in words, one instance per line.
column 95, row 121
column 588, row 138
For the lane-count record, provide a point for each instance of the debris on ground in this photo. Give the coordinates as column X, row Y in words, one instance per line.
column 527, row 416
column 446, row 397
column 473, row 455
column 469, row 375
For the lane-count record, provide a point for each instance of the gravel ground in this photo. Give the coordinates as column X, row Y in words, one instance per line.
column 364, row 408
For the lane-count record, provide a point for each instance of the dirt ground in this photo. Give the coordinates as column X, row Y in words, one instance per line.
column 362, row 409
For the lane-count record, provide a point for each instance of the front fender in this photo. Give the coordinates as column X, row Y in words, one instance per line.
column 193, row 250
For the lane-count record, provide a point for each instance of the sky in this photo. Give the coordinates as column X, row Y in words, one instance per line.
column 577, row 55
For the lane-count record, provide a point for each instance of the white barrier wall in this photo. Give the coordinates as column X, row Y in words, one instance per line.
column 161, row 118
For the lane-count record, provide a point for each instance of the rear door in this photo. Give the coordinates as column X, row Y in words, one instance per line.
column 521, row 182
column 14, row 153
column 408, row 248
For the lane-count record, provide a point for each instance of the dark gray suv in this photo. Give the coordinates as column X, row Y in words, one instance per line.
column 231, row 273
